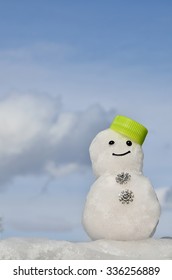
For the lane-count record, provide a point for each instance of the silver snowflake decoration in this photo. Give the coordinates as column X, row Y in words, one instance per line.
column 123, row 178
column 126, row 196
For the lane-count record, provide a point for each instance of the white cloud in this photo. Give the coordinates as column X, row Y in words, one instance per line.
column 45, row 213
column 23, row 119
column 164, row 227
column 55, row 171
column 34, row 131
column 45, row 206
column 165, row 197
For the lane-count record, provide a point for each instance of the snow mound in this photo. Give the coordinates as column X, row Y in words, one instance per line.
column 43, row 249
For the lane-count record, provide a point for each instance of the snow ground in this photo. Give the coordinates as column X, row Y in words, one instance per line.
column 44, row 249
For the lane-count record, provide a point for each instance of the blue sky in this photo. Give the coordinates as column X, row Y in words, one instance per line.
column 66, row 69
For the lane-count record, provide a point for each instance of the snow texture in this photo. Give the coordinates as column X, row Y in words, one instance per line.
column 43, row 249
column 121, row 204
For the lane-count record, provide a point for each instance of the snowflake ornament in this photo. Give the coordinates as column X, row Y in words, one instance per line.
column 126, row 196
column 123, row 178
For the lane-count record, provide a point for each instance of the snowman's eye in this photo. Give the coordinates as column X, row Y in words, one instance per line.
column 111, row 142
column 129, row 143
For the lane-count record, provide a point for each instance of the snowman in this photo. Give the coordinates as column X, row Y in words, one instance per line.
column 121, row 204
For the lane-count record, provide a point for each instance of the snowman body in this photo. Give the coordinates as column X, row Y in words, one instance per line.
column 121, row 204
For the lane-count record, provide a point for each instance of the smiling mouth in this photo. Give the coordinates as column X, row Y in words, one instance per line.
column 120, row 155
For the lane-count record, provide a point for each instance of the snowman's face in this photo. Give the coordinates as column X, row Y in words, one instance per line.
column 112, row 152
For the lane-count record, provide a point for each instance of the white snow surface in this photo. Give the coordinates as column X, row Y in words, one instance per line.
column 43, row 249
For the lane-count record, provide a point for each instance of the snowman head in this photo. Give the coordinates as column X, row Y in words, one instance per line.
column 118, row 148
